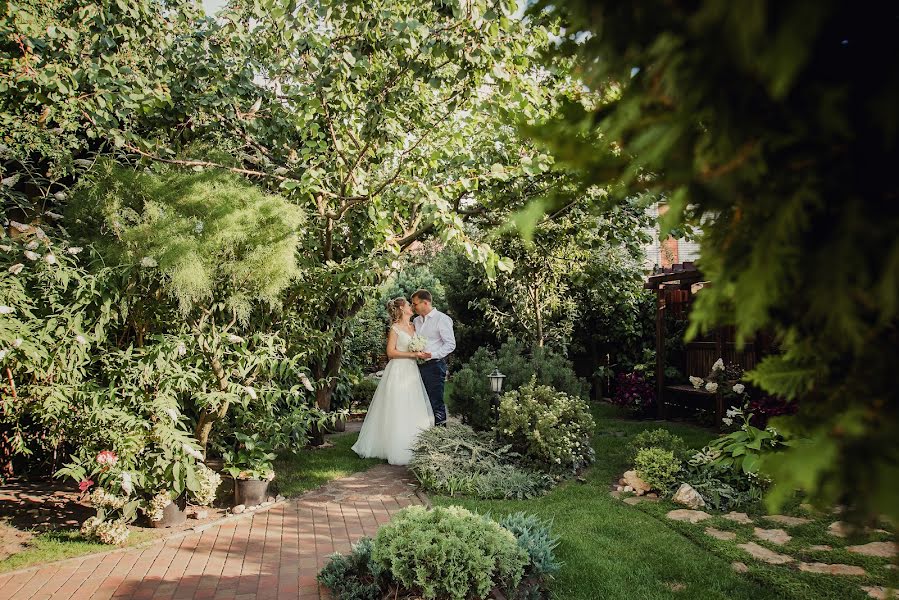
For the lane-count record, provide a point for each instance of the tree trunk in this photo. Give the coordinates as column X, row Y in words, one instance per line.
column 539, row 317
column 208, row 418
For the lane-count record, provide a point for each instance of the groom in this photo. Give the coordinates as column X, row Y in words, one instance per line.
column 437, row 328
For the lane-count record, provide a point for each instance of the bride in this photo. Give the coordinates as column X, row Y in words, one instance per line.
column 400, row 408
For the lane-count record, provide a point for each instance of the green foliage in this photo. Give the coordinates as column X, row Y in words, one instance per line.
column 211, row 236
column 471, row 398
column 448, row 553
column 548, row 427
column 722, row 488
column 658, row 438
column 535, row 537
column 252, row 460
column 718, row 106
column 747, row 448
column 657, row 467
column 355, row 576
column 455, row 460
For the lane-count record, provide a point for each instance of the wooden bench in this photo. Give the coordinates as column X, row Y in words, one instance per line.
column 701, row 392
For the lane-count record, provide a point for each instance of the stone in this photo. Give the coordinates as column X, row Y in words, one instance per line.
column 879, row 549
column 620, row 488
column 788, row 521
column 271, row 499
column 879, row 592
column 727, row 536
column 689, row 497
column 201, row 514
column 763, row 554
column 281, row 498
column 838, row 529
column 835, row 569
column 639, row 486
column 253, row 507
column 652, row 495
column 691, row 516
column 238, row 509
column 820, row 548
column 738, row 517
column 739, row 567
column 627, row 488
column 775, row 536
column 615, row 494
column 622, row 481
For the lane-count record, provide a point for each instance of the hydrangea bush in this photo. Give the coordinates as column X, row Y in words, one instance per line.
column 549, row 428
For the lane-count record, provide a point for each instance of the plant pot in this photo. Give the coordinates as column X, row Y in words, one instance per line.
column 216, row 464
column 340, row 424
column 172, row 515
column 250, row 492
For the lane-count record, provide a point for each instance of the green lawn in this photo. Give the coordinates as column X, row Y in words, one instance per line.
column 59, row 545
column 611, row 550
column 308, row 469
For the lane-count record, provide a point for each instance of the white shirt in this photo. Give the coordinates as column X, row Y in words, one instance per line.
column 437, row 328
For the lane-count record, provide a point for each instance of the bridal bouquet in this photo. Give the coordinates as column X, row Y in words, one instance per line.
column 418, row 343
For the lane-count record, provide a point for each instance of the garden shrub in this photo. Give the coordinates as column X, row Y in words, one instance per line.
column 470, row 396
column 449, row 553
column 722, row 488
column 363, row 392
column 634, row 392
column 658, row 468
column 535, row 538
column 455, row 460
column 355, row 576
column 658, row 438
column 548, row 427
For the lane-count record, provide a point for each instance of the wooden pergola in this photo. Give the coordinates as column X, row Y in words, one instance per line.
column 676, row 287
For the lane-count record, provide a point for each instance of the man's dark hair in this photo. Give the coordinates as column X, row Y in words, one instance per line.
column 422, row 295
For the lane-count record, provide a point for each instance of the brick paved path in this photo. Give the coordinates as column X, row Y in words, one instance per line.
column 272, row 554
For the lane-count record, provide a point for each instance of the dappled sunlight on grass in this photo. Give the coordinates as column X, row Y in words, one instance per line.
column 302, row 471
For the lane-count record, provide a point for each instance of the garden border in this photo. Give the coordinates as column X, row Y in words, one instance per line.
column 159, row 540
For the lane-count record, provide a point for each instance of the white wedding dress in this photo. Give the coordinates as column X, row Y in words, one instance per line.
column 398, row 412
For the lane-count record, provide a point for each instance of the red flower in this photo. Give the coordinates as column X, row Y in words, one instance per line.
column 107, row 457
column 85, row 484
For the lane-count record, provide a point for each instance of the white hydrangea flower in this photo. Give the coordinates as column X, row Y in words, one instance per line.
column 182, row 349
column 74, row 250
column 157, row 506
column 16, row 268
column 235, row 339
column 50, row 258
column 739, row 388
column 148, row 262
column 32, row 255
column 727, row 421
column 190, row 450
column 81, row 339
column 112, row 532
column 17, row 343
column 7, row 310
column 719, row 365
column 696, row 381
column 711, row 387
column 306, row 383
column 127, row 485
column 250, row 392
column 172, row 413
column 32, row 245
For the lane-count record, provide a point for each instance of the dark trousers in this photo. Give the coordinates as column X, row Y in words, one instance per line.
column 433, row 374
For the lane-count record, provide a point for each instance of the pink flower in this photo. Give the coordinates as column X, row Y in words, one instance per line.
column 85, row 484
column 107, row 457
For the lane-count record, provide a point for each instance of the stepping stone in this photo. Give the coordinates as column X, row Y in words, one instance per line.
column 879, row 549
column 691, row 516
column 881, row 593
column 739, row 517
column 820, row 548
column 727, row 536
column 835, row 569
column 788, row 521
column 775, row 536
column 739, row 567
column 615, row 494
column 838, row 529
column 763, row 554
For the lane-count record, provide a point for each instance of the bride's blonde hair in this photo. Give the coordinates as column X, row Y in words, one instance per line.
column 395, row 309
